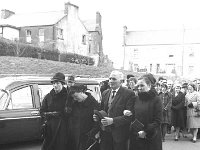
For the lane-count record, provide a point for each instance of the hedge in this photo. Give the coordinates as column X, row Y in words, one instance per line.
column 75, row 58
column 9, row 48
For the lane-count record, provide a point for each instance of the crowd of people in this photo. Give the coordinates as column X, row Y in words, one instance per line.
column 134, row 114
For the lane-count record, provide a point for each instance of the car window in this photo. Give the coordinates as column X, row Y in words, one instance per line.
column 3, row 98
column 21, row 98
column 44, row 90
column 95, row 91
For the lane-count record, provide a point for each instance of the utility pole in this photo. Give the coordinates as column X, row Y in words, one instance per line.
column 124, row 44
column 182, row 68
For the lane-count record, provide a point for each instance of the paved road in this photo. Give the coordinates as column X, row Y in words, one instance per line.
column 169, row 144
column 182, row 144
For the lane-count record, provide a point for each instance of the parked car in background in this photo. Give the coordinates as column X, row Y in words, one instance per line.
column 20, row 101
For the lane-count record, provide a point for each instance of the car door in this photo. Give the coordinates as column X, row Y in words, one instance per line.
column 20, row 121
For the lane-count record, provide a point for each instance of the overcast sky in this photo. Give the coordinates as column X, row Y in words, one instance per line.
column 135, row 14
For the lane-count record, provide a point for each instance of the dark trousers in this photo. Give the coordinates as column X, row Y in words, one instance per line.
column 164, row 130
column 107, row 142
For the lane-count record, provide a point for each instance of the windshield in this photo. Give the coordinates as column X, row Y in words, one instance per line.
column 3, row 98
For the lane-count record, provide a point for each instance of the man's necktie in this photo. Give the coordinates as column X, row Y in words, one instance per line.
column 113, row 94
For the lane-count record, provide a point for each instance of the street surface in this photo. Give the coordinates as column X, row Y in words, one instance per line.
column 182, row 144
column 169, row 144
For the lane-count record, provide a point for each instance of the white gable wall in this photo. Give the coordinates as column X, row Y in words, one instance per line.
column 10, row 33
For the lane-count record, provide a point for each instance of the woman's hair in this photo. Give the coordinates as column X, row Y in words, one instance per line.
column 192, row 85
column 146, row 80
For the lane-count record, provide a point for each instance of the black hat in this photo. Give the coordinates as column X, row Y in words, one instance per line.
column 60, row 77
column 78, row 88
column 71, row 79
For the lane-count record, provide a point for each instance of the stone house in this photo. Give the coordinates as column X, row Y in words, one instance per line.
column 57, row 30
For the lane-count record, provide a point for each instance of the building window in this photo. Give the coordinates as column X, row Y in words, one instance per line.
column 157, row 68
column 28, row 36
column 84, row 39
column 151, row 66
column 60, row 33
column 1, row 30
column 41, row 35
column 190, row 69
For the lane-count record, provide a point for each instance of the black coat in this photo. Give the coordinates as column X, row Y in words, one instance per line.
column 123, row 100
column 148, row 110
column 82, row 128
column 56, row 135
column 177, row 108
column 166, row 100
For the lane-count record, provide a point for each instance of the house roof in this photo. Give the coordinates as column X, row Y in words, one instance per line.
column 33, row 19
column 90, row 25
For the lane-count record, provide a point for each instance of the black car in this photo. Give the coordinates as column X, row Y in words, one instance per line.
column 20, row 101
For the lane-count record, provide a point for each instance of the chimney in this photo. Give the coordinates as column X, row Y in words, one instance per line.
column 98, row 19
column 71, row 9
column 6, row 13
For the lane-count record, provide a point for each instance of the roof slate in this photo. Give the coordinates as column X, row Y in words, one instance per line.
column 90, row 24
column 33, row 19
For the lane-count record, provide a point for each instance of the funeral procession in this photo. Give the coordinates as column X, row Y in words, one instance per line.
column 99, row 75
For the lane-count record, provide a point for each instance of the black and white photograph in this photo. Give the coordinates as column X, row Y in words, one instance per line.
column 99, row 75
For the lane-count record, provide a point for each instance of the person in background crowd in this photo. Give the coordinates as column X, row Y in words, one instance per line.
column 177, row 109
column 71, row 80
column 160, row 80
column 157, row 87
column 52, row 110
column 82, row 128
column 170, row 90
column 170, row 86
column 198, row 89
column 166, row 99
column 184, row 90
column 148, row 110
column 104, row 86
column 127, row 79
column 164, row 81
column 192, row 102
column 114, row 101
column 132, row 84
column 198, row 85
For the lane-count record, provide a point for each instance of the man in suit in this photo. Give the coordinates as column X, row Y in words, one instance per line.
column 115, row 132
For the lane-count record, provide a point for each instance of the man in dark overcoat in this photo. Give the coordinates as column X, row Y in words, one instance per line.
column 115, row 132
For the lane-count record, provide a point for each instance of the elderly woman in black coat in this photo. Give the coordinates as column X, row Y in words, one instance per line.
column 177, row 110
column 82, row 128
column 148, row 111
column 52, row 111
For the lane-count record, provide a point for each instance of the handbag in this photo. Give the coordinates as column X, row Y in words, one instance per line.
column 197, row 110
column 136, row 126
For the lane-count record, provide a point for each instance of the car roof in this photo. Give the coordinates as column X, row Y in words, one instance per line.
column 10, row 82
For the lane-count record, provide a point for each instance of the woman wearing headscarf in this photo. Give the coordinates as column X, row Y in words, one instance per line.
column 192, row 100
column 177, row 110
column 145, row 128
column 82, row 128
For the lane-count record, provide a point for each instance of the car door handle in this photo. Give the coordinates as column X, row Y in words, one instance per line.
column 35, row 113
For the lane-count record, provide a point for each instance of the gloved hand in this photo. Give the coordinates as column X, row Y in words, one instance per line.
column 190, row 105
column 127, row 112
column 107, row 121
column 142, row 134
